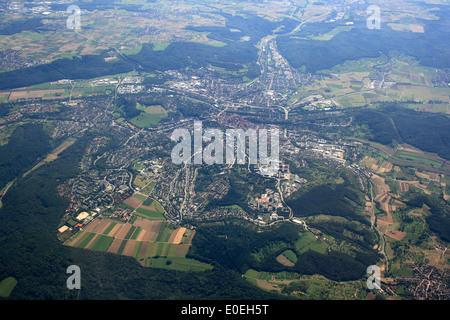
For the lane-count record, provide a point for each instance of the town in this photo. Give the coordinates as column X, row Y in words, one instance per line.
column 298, row 143
column 112, row 174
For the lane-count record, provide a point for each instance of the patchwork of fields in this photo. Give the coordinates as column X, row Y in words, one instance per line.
column 368, row 81
column 146, row 208
column 145, row 240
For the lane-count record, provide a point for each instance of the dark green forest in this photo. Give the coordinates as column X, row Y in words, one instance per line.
column 391, row 123
column 176, row 56
column 336, row 200
column 326, row 196
column 31, row 253
column 86, row 67
column 26, row 144
column 360, row 42
column 240, row 247
column 252, row 26
column 8, row 28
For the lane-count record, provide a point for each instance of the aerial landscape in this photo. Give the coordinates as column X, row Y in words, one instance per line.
column 225, row 150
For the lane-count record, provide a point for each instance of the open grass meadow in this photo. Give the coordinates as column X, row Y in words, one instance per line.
column 309, row 242
column 6, row 286
column 151, row 116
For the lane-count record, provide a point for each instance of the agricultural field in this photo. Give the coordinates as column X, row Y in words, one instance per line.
column 152, row 213
column 288, row 258
column 32, row 94
column 62, row 89
column 145, row 207
column 352, row 84
column 307, row 287
column 152, row 243
column 54, row 154
column 148, row 188
column 405, row 169
column 180, row 264
column 145, row 183
column 105, row 28
column 409, row 237
column 417, row 158
column 383, row 159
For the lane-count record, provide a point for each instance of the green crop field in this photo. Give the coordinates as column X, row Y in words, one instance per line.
column 102, row 243
column 137, row 247
column 130, row 232
column 148, row 202
column 149, row 214
column 405, row 156
column 264, row 275
column 168, row 256
column 110, row 227
column 251, row 273
column 135, row 233
column 93, row 90
column 164, row 234
column 332, row 33
column 122, row 246
column 160, row 251
column 290, row 255
column 149, row 188
column 140, row 197
column 180, row 264
column 85, row 240
column 160, row 46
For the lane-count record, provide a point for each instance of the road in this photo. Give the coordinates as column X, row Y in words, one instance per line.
column 291, row 213
column 310, row 19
